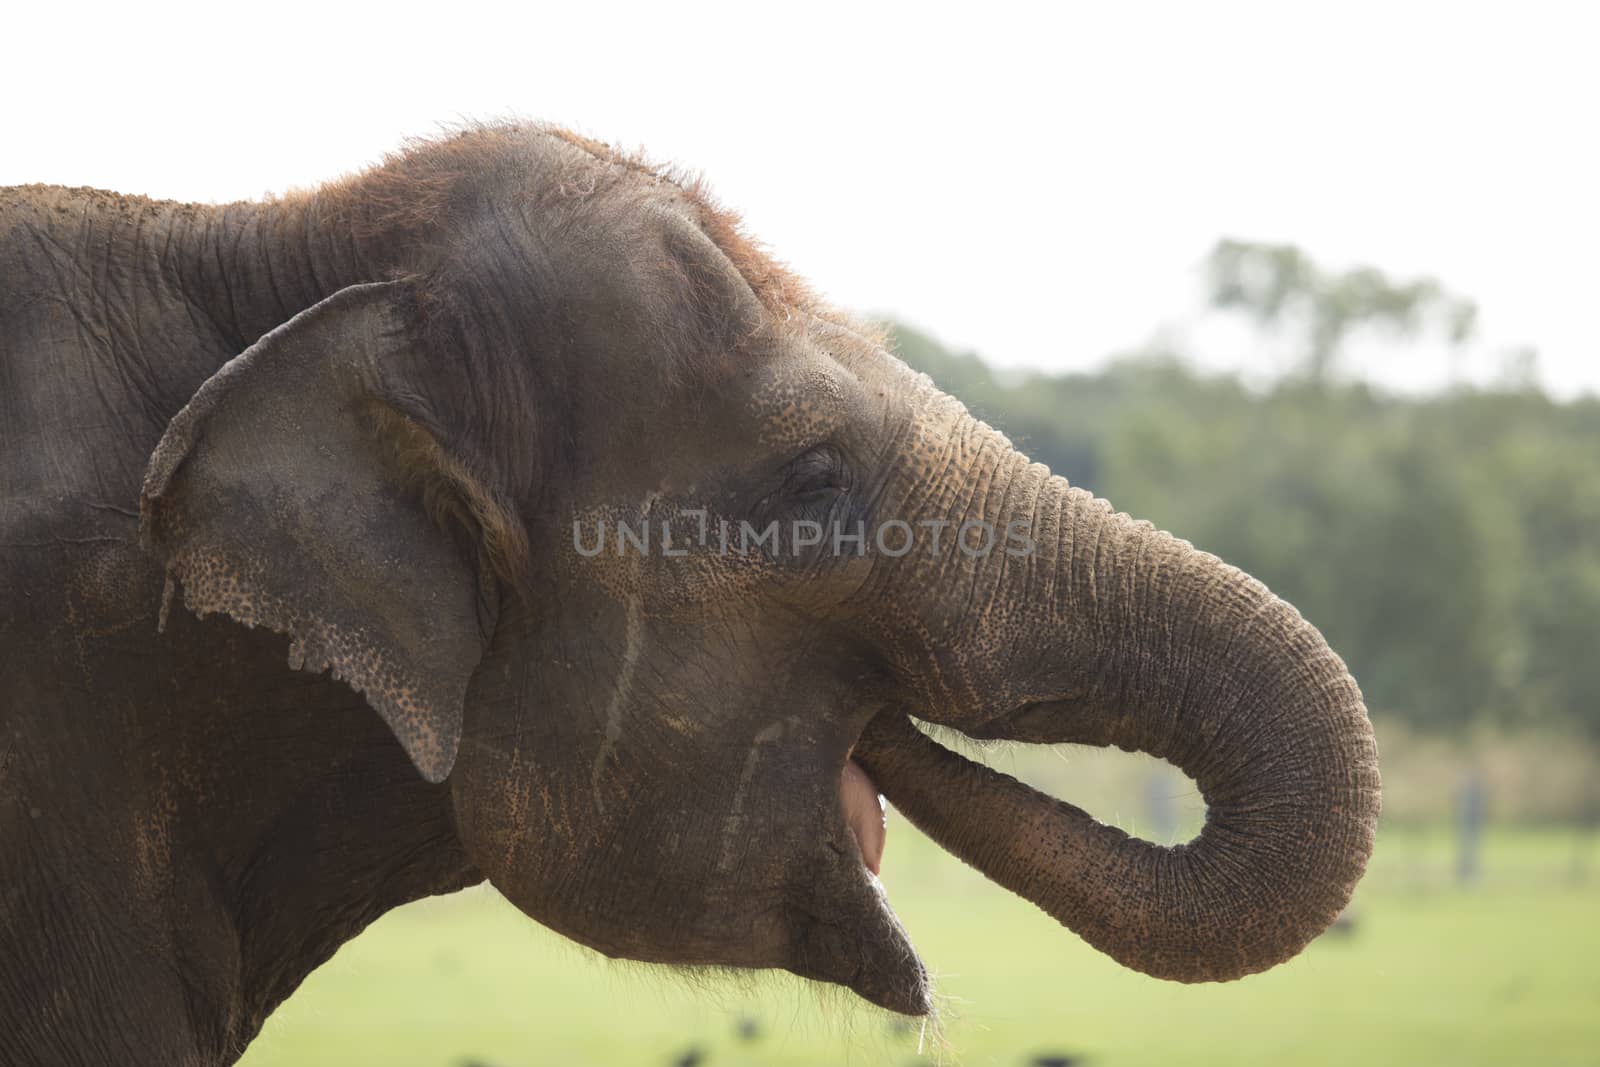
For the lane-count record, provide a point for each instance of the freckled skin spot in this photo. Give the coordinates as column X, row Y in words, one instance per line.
column 798, row 408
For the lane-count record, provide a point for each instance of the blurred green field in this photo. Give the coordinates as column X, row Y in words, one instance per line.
column 1504, row 972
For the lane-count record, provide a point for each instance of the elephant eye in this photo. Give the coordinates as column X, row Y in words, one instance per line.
column 809, row 501
column 815, row 473
column 808, row 487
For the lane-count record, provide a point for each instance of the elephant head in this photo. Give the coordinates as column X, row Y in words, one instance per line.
column 660, row 563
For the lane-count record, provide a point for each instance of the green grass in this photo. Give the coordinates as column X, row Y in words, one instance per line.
column 1506, row 972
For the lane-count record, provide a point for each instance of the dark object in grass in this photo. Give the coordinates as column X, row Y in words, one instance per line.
column 692, row 1057
column 748, row 1028
column 1056, row 1059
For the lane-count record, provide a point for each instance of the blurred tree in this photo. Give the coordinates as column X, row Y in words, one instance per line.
column 1278, row 285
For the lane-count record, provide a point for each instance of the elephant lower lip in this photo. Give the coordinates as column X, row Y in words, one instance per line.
column 864, row 813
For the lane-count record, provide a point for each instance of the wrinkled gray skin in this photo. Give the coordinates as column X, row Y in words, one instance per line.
column 471, row 348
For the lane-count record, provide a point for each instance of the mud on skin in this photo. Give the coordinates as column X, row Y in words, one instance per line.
column 293, row 631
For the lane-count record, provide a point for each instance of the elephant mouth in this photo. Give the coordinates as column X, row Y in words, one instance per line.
column 844, row 932
column 863, row 946
column 873, row 955
column 865, row 814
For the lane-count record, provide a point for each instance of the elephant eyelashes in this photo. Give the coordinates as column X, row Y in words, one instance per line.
column 816, row 474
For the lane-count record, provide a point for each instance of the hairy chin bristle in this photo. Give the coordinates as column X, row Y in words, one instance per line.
column 798, row 1005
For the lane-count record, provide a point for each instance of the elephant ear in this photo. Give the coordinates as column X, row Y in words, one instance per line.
column 274, row 498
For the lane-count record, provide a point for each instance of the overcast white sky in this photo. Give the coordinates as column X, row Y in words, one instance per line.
column 1038, row 186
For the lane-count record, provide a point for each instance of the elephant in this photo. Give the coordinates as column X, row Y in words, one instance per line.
column 503, row 512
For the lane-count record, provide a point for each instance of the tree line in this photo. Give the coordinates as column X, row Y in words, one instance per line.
column 1448, row 545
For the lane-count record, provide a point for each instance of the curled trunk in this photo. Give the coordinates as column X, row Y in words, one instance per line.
column 1157, row 647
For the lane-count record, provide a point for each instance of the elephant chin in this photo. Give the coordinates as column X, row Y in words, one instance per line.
column 863, row 947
